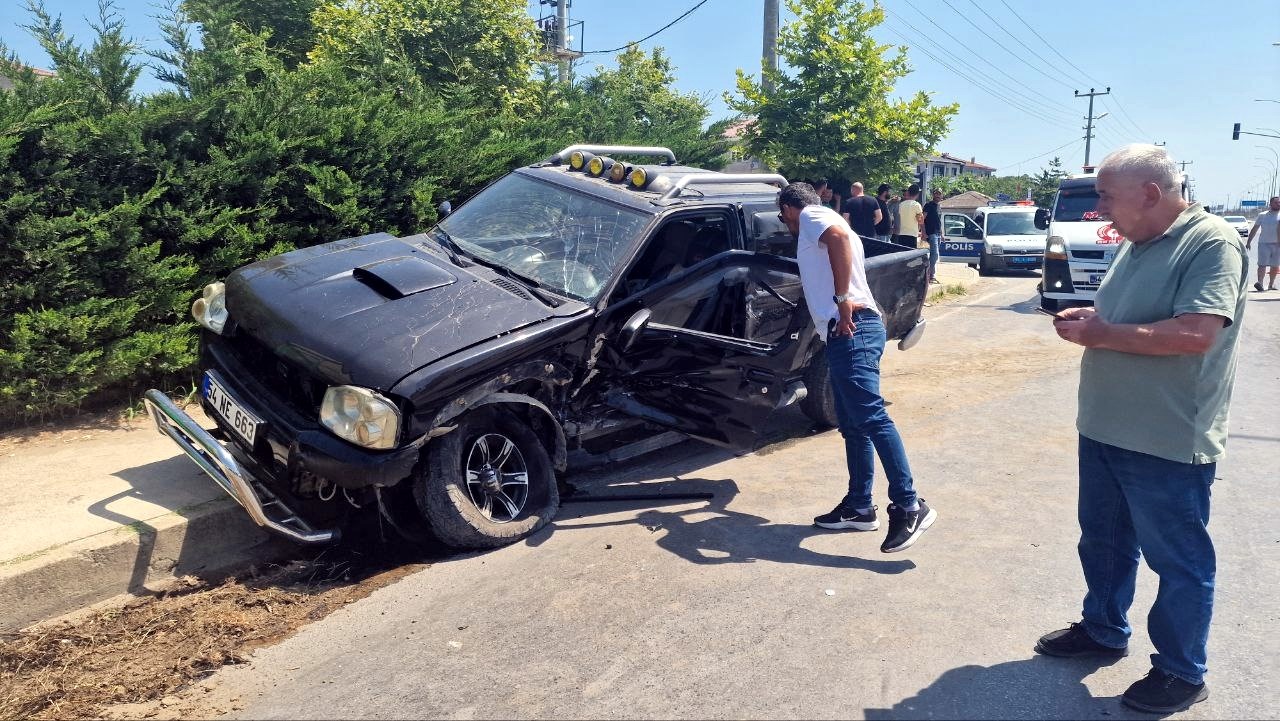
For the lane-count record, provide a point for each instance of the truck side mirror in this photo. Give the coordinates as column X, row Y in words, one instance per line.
column 632, row 328
column 1042, row 218
column 444, row 209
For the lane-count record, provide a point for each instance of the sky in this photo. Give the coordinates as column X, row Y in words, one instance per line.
column 1180, row 72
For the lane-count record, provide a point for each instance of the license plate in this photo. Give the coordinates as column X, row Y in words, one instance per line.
column 1096, row 278
column 1022, row 259
column 244, row 423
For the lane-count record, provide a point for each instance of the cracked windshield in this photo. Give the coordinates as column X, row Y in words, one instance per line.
column 566, row 242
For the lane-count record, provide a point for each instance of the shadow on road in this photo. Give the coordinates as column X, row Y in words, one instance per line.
column 1035, row 688
column 725, row 537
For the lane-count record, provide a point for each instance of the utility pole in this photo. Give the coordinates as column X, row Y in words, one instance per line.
column 769, row 54
column 562, row 39
column 1182, row 164
column 1159, row 144
column 556, row 38
column 1088, row 129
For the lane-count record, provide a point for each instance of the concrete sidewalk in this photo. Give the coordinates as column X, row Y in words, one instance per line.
column 101, row 508
column 106, row 507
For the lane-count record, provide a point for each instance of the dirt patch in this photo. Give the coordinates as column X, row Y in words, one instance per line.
column 133, row 659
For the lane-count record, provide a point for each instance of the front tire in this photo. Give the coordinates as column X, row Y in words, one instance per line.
column 983, row 267
column 819, row 403
column 487, row 483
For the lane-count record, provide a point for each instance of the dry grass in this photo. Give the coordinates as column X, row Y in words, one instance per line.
column 155, row 646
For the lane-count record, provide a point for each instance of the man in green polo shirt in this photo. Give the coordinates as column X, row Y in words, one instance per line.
column 1155, row 384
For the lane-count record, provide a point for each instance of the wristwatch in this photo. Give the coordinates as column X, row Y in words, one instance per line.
column 842, row 298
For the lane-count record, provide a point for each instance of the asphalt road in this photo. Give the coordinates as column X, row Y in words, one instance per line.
column 740, row 608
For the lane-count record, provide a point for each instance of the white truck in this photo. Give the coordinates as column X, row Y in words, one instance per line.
column 1080, row 243
column 1000, row 237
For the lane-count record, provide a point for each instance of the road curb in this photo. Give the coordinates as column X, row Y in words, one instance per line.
column 206, row 540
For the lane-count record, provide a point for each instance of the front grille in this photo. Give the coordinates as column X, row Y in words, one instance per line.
column 1088, row 254
column 287, row 380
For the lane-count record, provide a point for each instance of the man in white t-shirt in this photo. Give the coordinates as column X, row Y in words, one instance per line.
column 1267, row 227
column 833, row 275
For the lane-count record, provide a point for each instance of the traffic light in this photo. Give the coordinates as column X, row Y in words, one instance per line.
column 1235, row 132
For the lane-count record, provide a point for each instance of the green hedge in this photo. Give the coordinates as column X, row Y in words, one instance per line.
column 116, row 210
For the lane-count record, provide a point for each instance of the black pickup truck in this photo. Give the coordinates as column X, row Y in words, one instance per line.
column 573, row 305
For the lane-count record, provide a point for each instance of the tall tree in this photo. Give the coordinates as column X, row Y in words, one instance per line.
column 829, row 111
column 486, row 47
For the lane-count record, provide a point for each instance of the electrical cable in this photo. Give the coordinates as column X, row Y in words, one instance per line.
column 1066, row 110
column 1050, row 45
column 1012, row 103
column 1019, row 41
column 1125, row 113
column 1077, row 141
column 651, row 35
column 1001, row 45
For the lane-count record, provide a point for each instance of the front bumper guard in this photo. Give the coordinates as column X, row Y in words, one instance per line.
column 264, row 507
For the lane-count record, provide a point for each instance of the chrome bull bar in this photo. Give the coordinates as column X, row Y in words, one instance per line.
column 264, row 507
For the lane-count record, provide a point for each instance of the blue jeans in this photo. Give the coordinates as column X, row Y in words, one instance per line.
column 1133, row 503
column 935, row 240
column 854, row 364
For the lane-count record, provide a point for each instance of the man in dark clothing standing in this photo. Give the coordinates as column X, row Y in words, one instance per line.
column 862, row 211
column 882, row 225
column 933, row 231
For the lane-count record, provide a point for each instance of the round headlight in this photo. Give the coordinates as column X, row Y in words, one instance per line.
column 639, row 178
column 598, row 165
column 578, row 159
column 361, row 416
column 619, row 172
column 210, row 309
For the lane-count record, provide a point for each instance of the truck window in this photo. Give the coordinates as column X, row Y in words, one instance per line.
column 680, row 243
column 566, row 240
column 1075, row 204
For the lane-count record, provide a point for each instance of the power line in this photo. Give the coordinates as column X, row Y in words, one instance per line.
column 1042, row 98
column 1125, row 113
column 1038, row 115
column 1050, row 45
column 653, row 34
column 1001, row 45
column 1019, row 41
column 1077, row 141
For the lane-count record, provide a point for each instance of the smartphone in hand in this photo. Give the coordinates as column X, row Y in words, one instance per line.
column 1040, row 309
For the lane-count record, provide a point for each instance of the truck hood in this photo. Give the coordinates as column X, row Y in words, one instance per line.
column 366, row 311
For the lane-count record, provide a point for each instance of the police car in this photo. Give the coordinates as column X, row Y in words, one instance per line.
column 999, row 237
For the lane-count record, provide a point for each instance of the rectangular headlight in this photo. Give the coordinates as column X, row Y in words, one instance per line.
column 1055, row 248
column 361, row 416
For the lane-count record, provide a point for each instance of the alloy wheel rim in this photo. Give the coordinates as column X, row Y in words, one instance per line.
column 497, row 477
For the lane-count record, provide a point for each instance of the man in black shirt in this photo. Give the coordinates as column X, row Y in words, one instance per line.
column 933, row 231
column 862, row 211
column 882, row 199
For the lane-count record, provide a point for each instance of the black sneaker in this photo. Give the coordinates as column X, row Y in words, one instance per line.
column 906, row 527
column 1257, row 287
column 843, row 518
column 1074, row 642
column 1161, row 693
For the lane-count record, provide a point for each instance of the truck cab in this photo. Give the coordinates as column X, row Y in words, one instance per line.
column 998, row 237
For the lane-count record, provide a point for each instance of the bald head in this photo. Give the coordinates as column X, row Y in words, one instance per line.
column 1140, row 191
column 856, row 189
column 1141, row 163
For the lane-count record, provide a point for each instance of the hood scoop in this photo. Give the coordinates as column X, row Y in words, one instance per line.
column 403, row 275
